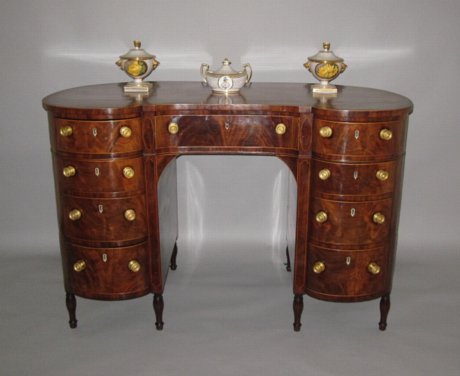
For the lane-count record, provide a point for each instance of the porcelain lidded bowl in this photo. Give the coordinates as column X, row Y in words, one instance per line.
column 226, row 80
column 325, row 66
column 137, row 64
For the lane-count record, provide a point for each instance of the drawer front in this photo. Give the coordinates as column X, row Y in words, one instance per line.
column 376, row 140
column 108, row 273
column 104, row 219
column 343, row 223
column 208, row 131
column 98, row 137
column 346, row 273
column 354, row 179
column 100, row 175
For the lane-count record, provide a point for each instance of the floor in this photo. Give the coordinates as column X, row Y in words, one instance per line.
column 228, row 311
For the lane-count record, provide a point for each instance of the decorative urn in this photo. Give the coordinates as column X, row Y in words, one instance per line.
column 137, row 64
column 226, row 80
column 325, row 66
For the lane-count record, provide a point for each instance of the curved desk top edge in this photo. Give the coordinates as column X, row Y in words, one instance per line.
column 108, row 101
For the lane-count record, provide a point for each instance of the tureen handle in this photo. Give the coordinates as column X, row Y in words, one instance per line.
column 248, row 70
column 204, row 70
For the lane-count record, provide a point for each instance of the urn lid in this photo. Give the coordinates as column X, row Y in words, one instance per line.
column 325, row 55
column 137, row 53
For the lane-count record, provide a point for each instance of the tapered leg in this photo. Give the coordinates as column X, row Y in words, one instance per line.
column 158, row 306
column 173, row 264
column 71, row 304
column 384, row 309
column 288, row 260
column 298, row 308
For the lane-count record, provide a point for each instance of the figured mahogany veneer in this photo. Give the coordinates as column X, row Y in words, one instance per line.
column 115, row 172
column 107, row 275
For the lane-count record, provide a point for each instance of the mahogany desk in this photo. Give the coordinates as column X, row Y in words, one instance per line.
column 114, row 164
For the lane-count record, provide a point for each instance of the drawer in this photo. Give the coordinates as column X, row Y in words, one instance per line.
column 335, row 140
column 227, row 131
column 354, row 179
column 104, row 219
column 108, row 273
column 343, row 273
column 97, row 137
column 99, row 175
column 342, row 223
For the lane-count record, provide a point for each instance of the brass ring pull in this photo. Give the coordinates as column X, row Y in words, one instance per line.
column 378, row 218
column 79, row 266
column 125, row 132
column 382, row 175
column 134, row 266
column 69, row 171
column 325, row 132
column 130, row 215
column 324, row 174
column 173, row 128
column 66, row 131
column 128, row 172
column 373, row 268
column 386, row 134
column 321, row 216
column 319, row 267
column 280, row 129
column 75, row 215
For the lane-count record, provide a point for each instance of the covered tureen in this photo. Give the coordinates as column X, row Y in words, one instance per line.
column 137, row 64
column 325, row 66
column 226, row 80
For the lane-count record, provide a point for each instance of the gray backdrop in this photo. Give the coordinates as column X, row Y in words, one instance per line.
column 407, row 46
column 410, row 47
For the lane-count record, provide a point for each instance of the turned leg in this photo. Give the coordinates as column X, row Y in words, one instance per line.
column 71, row 304
column 173, row 264
column 288, row 260
column 384, row 309
column 158, row 306
column 298, row 308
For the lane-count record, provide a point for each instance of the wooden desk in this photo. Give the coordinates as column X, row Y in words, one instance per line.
column 114, row 164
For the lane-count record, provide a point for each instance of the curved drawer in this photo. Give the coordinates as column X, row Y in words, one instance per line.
column 104, row 219
column 341, row 274
column 227, row 131
column 108, row 273
column 346, row 223
column 354, row 179
column 358, row 141
column 97, row 137
column 100, row 175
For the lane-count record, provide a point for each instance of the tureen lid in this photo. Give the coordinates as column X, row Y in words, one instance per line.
column 325, row 55
column 226, row 69
column 137, row 53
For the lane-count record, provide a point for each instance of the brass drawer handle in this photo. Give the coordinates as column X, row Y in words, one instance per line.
column 173, row 128
column 75, row 215
column 321, row 216
column 125, row 132
column 128, row 172
column 69, row 171
column 378, row 218
column 66, row 131
column 324, row 174
column 130, row 215
column 373, row 268
column 386, row 134
column 134, row 266
column 280, row 129
column 382, row 175
column 325, row 132
column 319, row 267
column 79, row 266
